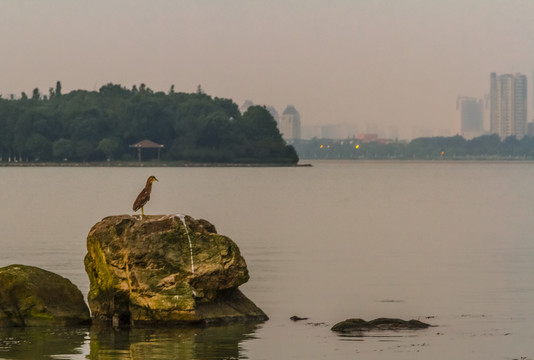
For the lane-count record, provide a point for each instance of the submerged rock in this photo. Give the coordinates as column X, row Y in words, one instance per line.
column 153, row 270
column 378, row 324
column 30, row 296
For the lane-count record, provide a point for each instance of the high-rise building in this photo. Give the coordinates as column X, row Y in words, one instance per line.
column 290, row 123
column 471, row 116
column 245, row 106
column 508, row 105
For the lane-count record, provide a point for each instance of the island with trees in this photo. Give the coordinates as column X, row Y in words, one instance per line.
column 101, row 126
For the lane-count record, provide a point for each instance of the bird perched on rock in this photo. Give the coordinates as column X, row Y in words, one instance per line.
column 144, row 195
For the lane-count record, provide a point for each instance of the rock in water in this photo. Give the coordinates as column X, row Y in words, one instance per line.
column 140, row 272
column 378, row 324
column 30, row 296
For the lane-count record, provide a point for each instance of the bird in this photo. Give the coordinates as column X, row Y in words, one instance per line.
column 144, row 195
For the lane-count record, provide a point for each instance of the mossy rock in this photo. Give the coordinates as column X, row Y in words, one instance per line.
column 30, row 296
column 155, row 270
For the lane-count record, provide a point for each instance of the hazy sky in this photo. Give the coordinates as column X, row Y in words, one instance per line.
column 388, row 63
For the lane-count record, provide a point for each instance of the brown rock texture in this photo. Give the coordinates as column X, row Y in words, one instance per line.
column 153, row 270
column 31, row 296
column 350, row 325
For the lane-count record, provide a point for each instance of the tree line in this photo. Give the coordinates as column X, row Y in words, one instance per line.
column 426, row 148
column 84, row 126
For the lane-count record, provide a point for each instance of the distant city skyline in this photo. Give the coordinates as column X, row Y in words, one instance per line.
column 343, row 130
column 474, row 116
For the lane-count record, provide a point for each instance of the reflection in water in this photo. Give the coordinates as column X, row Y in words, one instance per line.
column 216, row 343
column 41, row 343
column 220, row 342
column 381, row 335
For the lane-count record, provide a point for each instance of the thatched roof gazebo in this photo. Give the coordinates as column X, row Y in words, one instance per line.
column 146, row 144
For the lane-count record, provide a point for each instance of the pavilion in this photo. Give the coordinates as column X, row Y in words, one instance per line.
column 146, row 144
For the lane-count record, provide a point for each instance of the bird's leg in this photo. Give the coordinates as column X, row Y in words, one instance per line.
column 142, row 212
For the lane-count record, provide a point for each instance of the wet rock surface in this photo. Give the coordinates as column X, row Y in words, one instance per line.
column 350, row 325
column 165, row 269
column 30, row 296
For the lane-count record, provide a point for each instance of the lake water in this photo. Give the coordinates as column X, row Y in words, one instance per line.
column 448, row 243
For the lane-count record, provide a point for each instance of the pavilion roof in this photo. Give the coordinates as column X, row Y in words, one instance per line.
column 147, row 144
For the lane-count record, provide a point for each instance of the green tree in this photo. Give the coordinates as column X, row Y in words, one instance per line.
column 36, row 95
column 38, row 147
column 509, row 146
column 109, row 146
column 84, row 149
column 58, row 89
column 22, row 132
column 62, row 149
column 261, row 139
column 485, row 145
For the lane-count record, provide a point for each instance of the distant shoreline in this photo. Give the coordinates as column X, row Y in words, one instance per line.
column 244, row 165
column 143, row 164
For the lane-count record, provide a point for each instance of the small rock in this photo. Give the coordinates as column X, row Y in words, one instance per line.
column 378, row 324
column 298, row 318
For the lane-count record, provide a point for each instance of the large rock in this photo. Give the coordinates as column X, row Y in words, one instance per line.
column 30, row 296
column 148, row 271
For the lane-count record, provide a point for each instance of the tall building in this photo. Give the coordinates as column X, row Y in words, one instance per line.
column 471, row 116
column 245, row 106
column 290, row 123
column 508, row 105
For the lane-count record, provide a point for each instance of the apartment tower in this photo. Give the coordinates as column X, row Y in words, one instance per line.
column 471, row 116
column 508, row 105
column 290, row 123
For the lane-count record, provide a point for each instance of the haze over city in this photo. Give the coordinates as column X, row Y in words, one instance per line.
column 392, row 66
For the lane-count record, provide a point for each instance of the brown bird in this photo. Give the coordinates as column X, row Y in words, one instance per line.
column 144, row 195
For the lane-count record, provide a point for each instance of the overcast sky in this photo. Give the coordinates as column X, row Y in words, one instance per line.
column 376, row 63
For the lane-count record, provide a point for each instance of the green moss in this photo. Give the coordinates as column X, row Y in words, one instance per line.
column 101, row 277
column 171, row 236
column 35, row 297
column 41, row 315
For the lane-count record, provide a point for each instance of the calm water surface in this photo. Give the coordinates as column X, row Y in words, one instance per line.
column 448, row 243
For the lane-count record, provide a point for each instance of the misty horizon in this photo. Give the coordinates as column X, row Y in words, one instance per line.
column 382, row 65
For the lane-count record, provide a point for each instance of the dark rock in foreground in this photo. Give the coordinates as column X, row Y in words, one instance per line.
column 378, row 324
column 30, row 296
column 148, row 272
